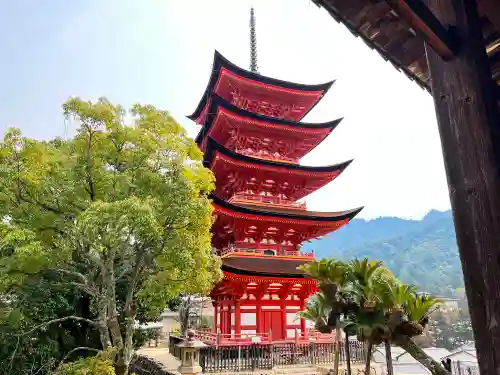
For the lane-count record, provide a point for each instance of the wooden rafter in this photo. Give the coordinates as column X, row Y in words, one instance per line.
column 423, row 21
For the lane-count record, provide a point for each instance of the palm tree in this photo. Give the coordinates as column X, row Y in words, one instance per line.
column 317, row 312
column 366, row 317
column 332, row 278
column 417, row 310
column 376, row 307
column 394, row 296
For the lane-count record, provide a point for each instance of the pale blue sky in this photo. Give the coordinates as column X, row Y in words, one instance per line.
column 160, row 52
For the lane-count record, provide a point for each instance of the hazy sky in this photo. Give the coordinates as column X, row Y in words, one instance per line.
column 160, row 52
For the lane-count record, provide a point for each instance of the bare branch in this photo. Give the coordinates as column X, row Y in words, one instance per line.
column 13, row 355
column 53, row 321
column 76, row 274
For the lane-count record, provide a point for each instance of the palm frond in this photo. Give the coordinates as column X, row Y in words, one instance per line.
column 421, row 306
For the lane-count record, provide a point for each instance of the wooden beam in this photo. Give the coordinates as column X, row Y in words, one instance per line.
column 423, row 21
column 469, row 120
column 491, row 9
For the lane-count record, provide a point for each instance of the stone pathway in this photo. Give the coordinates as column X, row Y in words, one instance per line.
column 161, row 355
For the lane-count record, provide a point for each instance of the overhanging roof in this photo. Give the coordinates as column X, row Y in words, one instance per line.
column 213, row 147
column 271, row 214
column 222, row 67
column 385, row 27
column 233, row 171
column 270, row 266
column 218, row 105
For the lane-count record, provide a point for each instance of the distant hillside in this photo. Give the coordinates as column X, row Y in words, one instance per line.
column 421, row 252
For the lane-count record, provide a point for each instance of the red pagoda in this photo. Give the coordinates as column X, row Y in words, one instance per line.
column 253, row 138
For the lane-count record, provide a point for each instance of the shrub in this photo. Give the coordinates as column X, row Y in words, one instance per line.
column 101, row 364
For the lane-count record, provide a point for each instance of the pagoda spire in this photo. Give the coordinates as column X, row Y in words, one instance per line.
column 253, row 43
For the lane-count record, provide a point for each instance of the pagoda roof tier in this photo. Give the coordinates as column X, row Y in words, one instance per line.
column 236, row 222
column 245, row 281
column 267, row 266
column 258, row 93
column 239, row 173
column 230, row 126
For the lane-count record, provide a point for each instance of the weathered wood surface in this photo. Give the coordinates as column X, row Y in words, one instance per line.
column 469, row 122
column 391, row 34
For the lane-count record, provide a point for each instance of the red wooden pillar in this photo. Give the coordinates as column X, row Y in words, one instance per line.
column 222, row 323
column 468, row 121
column 259, row 294
column 303, row 328
column 283, row 316
column 237, row 319
column 258, row 314
column 216, row 310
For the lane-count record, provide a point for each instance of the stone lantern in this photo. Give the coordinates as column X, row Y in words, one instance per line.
column 190, row 355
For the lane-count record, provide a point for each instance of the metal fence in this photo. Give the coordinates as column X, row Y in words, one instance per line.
column 464, row 368
column 266, row 356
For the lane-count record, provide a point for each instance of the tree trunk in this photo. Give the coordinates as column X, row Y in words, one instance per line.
column 368, row 358
column 338, row 339
column 348, row 354
column 102, row 323
column 121, row 369
column 388, row 357
column 416, row 352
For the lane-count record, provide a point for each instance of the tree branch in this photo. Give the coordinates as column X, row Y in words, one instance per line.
column 59, row 320
column 76, row 274
column 13, row 355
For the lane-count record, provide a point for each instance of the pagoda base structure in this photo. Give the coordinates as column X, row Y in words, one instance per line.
column 261, row 308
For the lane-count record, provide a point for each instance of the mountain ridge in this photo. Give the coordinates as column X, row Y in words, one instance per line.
column 420, row 252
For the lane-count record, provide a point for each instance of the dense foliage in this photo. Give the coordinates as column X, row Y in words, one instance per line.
column 422, row 252
column 100, row 364
column 106, row 228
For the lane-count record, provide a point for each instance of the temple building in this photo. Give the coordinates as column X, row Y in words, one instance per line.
column 253, row 138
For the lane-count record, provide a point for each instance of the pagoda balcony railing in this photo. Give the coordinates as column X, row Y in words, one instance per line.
column 226, row 353
column 265, row 249
column 219, row 339
column 266, row 156
column 266, row 200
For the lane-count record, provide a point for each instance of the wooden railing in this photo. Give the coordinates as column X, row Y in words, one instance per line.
column 266, row 200
column 244, row 356
column 261, row 250
column 220, row 339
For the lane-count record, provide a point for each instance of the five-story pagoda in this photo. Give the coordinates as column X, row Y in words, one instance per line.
column 253, row 138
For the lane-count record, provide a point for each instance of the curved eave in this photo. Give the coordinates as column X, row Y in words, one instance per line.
column 217, row 102
column 221, row 62
column 240, row 272
column 213, row 147
column 325, row 217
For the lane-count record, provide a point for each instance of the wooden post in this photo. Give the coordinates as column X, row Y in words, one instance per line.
column 258, row 315
column 469, row 125
column 284, row 331
column 222, row 323
column 237, row 319
column 303, row 327
column 216, row 305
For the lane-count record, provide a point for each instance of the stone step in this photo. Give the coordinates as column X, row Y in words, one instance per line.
column 296, row 370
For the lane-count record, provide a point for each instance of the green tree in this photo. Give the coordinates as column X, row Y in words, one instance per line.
column 121, row 213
